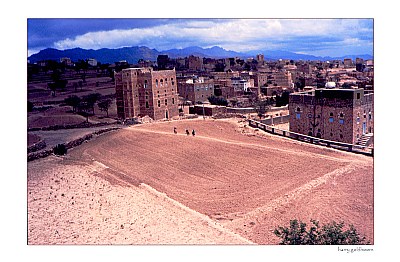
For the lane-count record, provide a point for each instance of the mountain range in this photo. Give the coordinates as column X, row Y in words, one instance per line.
column 134, row 53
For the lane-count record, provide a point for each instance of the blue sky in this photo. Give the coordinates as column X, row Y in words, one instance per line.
column 321, row 37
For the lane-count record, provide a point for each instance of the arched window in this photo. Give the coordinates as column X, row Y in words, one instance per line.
column 156, row 82
column 161, row 82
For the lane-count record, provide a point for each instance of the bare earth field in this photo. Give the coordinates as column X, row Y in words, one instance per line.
column 227, row 185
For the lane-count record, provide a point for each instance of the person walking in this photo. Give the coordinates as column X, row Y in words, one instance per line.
column 187, row 132
column 175, row 132
column 193, row 132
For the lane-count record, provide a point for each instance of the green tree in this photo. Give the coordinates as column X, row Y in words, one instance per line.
column 53, row 87
column 330, row 234
column 104, row 105
column 73, row 101
column 91, row 100
column 262, row 106
column 215, row 100
column 84, row 107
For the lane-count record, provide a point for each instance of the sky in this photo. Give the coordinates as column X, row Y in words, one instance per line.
column 321, row 37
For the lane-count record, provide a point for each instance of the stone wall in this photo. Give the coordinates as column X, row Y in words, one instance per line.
column 44, row 153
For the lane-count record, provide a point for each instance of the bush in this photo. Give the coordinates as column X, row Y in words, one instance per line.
column 330, row 234
column 220, row 101
column 60, row 150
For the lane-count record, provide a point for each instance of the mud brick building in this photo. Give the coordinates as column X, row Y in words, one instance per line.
column 284, row 79
column 196, row 89
column 143, row 91
column 344, row 115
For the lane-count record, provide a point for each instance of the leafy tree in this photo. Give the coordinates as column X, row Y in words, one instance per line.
column 262, row 106
column 215, row 100
column 330, row 234
column 81, row 67
column 91, row 100
column 283, row 99
column 53, row 88
column 104, row 105
column 73, row 101
column 84, row 107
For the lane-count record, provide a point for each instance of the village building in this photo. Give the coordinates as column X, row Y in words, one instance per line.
column 143, row 91
column 344, row 115
column 196, row 89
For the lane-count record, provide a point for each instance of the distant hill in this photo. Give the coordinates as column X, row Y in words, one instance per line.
column 104, row 55
column 214, row 52
column 134, row 53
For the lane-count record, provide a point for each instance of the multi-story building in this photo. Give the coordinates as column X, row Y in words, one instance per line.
column 343, row 115
column 241, row 84
column 92, row 62
column 195, row 63
column 348, row 62
column 284, row 79
column 196, row 89
column 66, row 60
column 143, row 91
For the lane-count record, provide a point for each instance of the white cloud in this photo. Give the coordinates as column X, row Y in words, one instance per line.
column 236, row 34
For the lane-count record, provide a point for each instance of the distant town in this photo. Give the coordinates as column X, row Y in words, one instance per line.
column 332, row 100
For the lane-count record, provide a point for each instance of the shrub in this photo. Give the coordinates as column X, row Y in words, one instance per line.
column 60, row 150
column 329, row 234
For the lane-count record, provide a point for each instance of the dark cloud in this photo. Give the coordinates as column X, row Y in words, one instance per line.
column 43, row 32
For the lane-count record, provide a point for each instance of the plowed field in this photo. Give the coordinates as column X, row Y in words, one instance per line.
column 248, row 184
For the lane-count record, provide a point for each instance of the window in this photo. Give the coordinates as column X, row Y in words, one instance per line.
column 370, row 116
column 358, row 119
column 145, row 84
column 156, row 82
column 309, row 115
column 298, row 109
column 341, row 136
column 331, row 114
column 341, row 115
column 147, row 104
column 173, row 101
column 330, row 119
column 298, row 115
column 166, row 102
column 358, row 95
column 161, row 82
column 341, row 121
column 159, row 103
